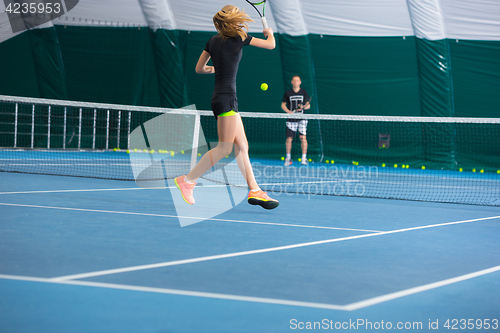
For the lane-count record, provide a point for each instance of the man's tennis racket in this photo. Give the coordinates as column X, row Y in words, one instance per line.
column 262, row 16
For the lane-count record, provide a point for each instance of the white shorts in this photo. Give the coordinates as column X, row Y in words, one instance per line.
column 293, row 126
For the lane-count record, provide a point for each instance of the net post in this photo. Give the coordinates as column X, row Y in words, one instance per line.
column 128, row 133
column 80, row 129
column 15, row 126
column 33, row 126
column 196, row 137
column 107, row 130
column 64, row 129
column 118, row 130
column 93, row 130
column 48, row 130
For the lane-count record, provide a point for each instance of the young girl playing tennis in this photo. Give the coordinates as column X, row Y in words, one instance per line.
column 225, row 51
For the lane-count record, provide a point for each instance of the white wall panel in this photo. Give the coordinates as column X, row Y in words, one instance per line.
column 430, row 19
column 357, row 17
column 472, row 19
column 427, row 19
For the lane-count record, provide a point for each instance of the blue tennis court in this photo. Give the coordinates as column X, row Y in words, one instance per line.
column 85, row 255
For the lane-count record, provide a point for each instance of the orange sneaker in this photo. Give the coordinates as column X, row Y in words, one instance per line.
column 185, row 188
column 262, row 199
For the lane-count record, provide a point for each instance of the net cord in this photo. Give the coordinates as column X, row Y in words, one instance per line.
column 132, row 108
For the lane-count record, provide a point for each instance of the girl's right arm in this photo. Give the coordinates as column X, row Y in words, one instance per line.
column 268, row 43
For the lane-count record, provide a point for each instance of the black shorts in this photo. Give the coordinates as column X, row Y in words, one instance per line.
column 224, row 103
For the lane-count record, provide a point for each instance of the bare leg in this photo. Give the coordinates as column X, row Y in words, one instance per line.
column 303, row 141
column 242, row 157
column 289, row 145
column 226, row 128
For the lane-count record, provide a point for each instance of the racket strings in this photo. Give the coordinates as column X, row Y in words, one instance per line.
column 256, row 4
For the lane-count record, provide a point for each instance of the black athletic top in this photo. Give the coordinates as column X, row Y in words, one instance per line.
column 226, row 56
column 294, row 99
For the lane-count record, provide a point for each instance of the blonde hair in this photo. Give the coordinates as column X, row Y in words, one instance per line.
column 230, row 22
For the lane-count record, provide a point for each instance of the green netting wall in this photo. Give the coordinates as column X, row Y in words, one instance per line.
column 392, row 76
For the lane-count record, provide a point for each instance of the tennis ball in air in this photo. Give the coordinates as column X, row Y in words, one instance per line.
column 264, row 86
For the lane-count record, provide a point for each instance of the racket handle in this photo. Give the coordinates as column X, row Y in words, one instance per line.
column 264, row 23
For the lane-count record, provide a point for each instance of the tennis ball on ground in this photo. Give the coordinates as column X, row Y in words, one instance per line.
column 172, row 153
column 310, row 160
column 282, row 158
column 182, row 151
column 355, row 163
column 383, row 165
column 300, row 160
column 460, row 169
column 199, row 154
column 395, row 165
column 128, row 151
column 332, row 161
column 481, row 171
column 473, row 170
column 135, row 150
column 152, row 151
column 264, row 86
column 407, row 166
column 327, row 161
column 423, row 167
column 498, row 171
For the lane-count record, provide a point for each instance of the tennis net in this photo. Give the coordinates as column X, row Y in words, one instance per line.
column 453, row 160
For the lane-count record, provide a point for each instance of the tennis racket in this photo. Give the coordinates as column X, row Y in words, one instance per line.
column 262, row 16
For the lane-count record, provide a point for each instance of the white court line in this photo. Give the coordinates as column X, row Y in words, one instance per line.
column 178, row 292
column 419, row 289
column 244, row 253
column 188, row 217
column 348, row 307
column 87, row 190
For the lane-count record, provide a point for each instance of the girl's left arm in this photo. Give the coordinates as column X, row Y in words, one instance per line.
column 201, row 66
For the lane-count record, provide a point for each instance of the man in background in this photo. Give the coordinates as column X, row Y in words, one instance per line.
column 296, row 100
